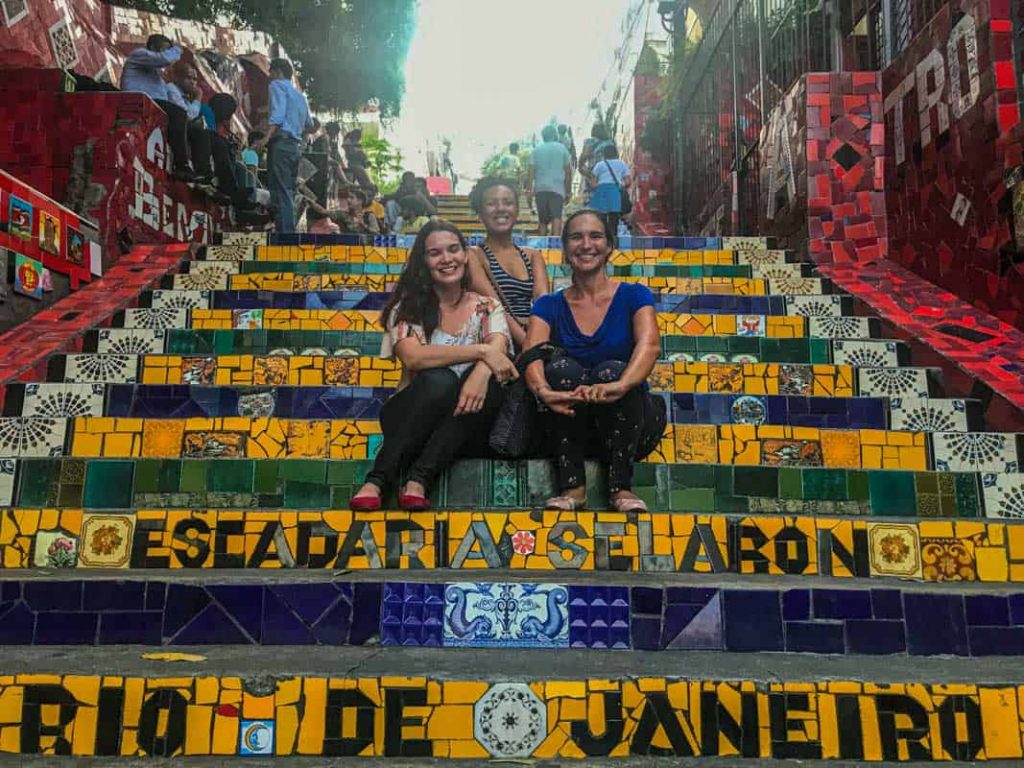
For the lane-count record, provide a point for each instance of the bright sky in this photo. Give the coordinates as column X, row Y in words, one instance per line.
column 486, row 72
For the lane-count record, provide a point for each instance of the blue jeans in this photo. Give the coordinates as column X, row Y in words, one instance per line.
column 283, row 157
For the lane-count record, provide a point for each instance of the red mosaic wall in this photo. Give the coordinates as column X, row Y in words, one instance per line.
column 652, row 180
column 119, row 177
column 952, row 128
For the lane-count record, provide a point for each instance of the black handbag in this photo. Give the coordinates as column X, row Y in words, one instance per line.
column 624, row 202
column 513, row 427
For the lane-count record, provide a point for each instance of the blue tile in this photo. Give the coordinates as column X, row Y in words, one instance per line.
column 796, row 604
column 65, row 628
column 814, row 637
column 53, row 595
column 987, row 610
column 646, row 633
column 936, row 624
column 211, row 627
column 875, row 636
column 115, row 595
column 243, row 603
column 753, row 620
column 17, row 625
column 841, row 604
column 887, row 603
column 1017, row 608
column 184, row 603
column 642, row 599
column 156, row 592
column 308, row 601
column 130, row 628
column 366, row 598
column 996, row 641
column 280, row 624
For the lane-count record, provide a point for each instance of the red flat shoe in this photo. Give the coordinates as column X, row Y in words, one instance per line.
column 411, row 503
column 365, row 503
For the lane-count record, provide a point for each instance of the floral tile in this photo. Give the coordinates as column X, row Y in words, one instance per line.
column 244, row 238
column 510, row 721
column 105, row 541
column 894, row 550
column 55, row 549
column 842, row 327
column 22, row 437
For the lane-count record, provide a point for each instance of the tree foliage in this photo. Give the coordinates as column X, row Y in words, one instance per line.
column 385, row 163
column 348, row 52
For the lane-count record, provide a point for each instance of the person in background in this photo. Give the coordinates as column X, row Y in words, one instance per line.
column 142, row 73
column 232, row 177
column 183, row 91
column 549, row 179
column 424, row 193
column 596, row 394
column 289, row 122
column 610, row 178
column 509, row 166
column 361, row 207
column 413, row 217
column 356, row 159
column 500, row 268
column 250, row 157
column 593, row 150
column 453, row 344
column 565, row 136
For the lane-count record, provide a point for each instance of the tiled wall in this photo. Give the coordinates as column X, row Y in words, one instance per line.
column 467, row 718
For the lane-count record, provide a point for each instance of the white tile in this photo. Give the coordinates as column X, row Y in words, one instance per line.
column 761, row 258
column 35, row 438
column 866, row 354
column 1003, row 494
column 839, row 327
column 8, row 469
column 156, row 319
column 510, row 720
column 778, row 271
column 741, row 243
column 828, row 305
column 130, row 341
column 104, row 369
column 230, row 252
column 893, row 382
column 244, row 238
column 795, row 285
column 975, row 452
column 506, row 615
column 63, row 401
column 913, row 414
column 181, row 299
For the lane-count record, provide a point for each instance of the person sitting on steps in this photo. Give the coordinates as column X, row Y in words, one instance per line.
column 453, row 345
column 500, row 268
column 597, row 392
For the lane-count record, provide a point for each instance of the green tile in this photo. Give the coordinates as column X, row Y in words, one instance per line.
column 71, row 495
column 756, row 481
column 38, row 482
column 967, row 501
column 108, row 484
column 346, row 472
column 506, row 485
column 926, row 482
column 234, row 475
column 892, row 493
column 303, row 470
column 147, row 476
column 466, row 484
column 265, row 476
column 824, row 484
column 300, row 495
column 193, row 475
column 693, row 500
column 791, row 484
column 857, row 485
column 820, row 351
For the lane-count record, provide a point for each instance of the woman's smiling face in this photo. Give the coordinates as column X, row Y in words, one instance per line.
column 445, row 258
column 499, row 209
column 586, row 244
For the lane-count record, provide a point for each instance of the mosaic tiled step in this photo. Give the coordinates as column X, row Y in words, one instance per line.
column 475, row 541
column 483, row 484
column 468, row 706
column 59, row 400
column 680, row 324
column 530, row 615
column 825, row 312
column 357, row 254
column 314, row 369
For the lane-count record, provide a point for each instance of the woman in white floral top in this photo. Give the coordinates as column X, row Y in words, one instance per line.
column 453, row 345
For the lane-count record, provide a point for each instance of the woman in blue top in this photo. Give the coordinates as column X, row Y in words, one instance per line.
column 596, row 392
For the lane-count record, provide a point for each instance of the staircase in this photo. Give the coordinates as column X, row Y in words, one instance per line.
column 456, row 209
column 827, row 571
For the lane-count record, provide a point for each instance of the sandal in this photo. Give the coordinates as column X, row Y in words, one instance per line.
column 565, row 503
column 629, row 505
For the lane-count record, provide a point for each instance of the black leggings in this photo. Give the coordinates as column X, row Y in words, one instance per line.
column 616, row 434
column 421, row 434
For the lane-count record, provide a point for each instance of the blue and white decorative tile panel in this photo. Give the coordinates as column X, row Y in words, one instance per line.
column 842, row 327
column 412, row 614
column 206, row 276
column 101, row 369
column 827, row 305
column 506, row 615
column 36, row 438
column 927, row 415
column 170, row 299
column 866, row 354
column 1003, row 494
column 62, row 401
column 893, row 382
column 156, row 319
column 130, row 341
column 599, row 617
column 975, row 452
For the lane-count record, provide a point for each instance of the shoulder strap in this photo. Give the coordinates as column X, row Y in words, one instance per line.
column 612, row 172
column 485, row 263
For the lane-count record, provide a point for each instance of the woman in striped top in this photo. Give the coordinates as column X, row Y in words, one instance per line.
column 500, row 268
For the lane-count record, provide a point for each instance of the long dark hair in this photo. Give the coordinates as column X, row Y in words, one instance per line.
column 609, row 230
column 414, row 295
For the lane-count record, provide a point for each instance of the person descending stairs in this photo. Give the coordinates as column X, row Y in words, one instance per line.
column 826, row 568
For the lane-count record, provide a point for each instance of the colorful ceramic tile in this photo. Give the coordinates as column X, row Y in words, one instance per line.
column 156, row 318
column 247, row 319
column 1004, row 495
column 839, row 327
column 19, row 217
column 28, row 276
column 975, row 452
column 510, row 721
column 506, row 615
column 49, row 233
column 129, row 341
column 180, row 299
column 911, row 383
column 828, row 305
column 894, row 550
column 55, row 549
column 866, row 354
column 928, row 415
column 749, row 409
column 61, row 401
column 256, row 738
column 22, row 437
column 229, row 252
column 76, row 247
column 105, row 541
column 750, row 325
column 103, row 369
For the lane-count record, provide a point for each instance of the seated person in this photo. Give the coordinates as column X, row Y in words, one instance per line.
column 232, row 177
column 453, row 345
column 413, row 216
column 183, row 91
column 597, row 392
column 360, row 206
column 424, row 192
